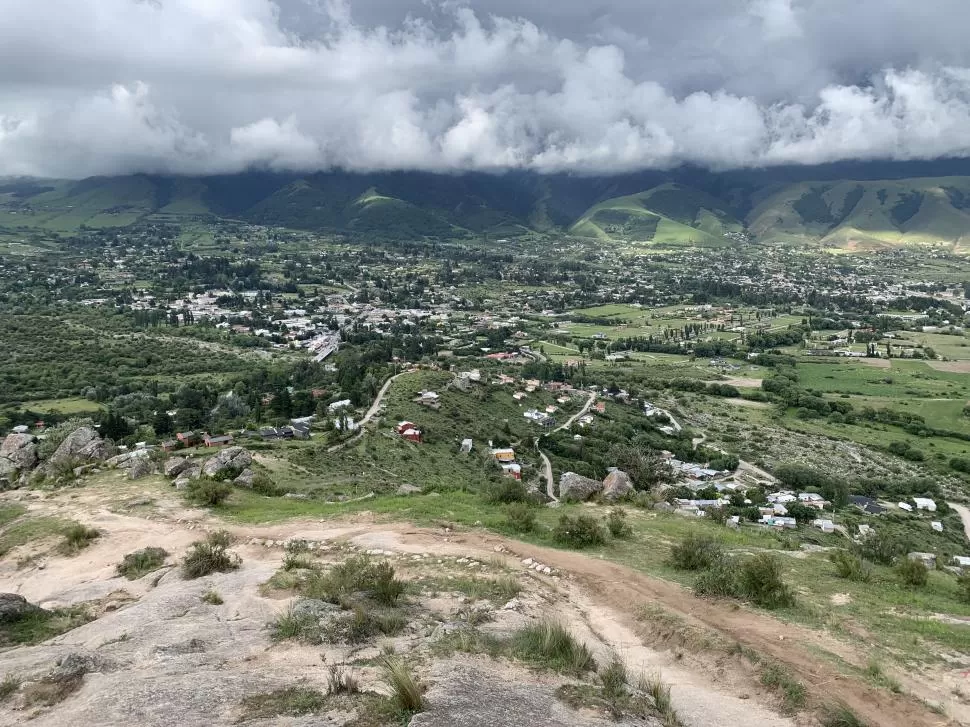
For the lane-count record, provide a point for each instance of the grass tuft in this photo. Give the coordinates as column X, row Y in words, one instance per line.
column 792, row 691
column 291, row 701
column 550, row 644
column 210, row 556
column 407, row 692
column 840, row 715
column 77, row 537
column 141, row 562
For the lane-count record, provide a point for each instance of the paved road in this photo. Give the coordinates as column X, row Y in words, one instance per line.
column 964, row 513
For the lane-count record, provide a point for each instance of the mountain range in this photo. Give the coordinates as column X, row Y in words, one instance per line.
column 856, row 205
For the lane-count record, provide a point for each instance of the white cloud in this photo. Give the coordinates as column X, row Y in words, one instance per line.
column 195, row 86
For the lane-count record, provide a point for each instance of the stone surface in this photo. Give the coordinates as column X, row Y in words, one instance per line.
column 14, row 607
column 82, row 445
column 174, row 466
column 230, row 459
column 245, row 478
column 408, row 490
column 616, row 486
column 18, row 453
column 576, row 488
column 140, row 467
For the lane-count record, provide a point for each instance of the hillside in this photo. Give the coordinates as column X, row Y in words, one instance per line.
column 682, row 206
column 668, row 213
column 867, row 213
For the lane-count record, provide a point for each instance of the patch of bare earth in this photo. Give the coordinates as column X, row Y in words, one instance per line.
column 162, row 650
column 953, row 367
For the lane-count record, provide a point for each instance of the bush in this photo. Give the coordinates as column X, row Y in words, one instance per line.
column 520, row 517
column 550, row 644
column 212, row 598
column 407, row 692
column 506, row 491
column 209, row 556
column 361, row 624
column 357, row 576
column 718, row 581
column 135, row 565
column 617, row 525
column 912, row 573
column 850, row 566
column 881, row 547
column 613, row 678
column 77, row 537
column 582, row 531
column 304, row 627
column 760, row 581
column 963, row 587
column 696, row 552
column 207, row 493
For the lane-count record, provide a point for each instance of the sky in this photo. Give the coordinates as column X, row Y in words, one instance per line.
column 579, row 86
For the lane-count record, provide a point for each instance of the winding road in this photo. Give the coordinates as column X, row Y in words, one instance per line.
column 372, row 412
column 546, row 464
column 964, row 512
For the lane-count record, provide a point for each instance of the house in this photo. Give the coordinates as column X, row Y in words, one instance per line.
column 412, row 435
column 533, row 415
column 519, row 395
column 513, row 470
column 270, row 433
column 961, row 561
column 21, row 429
column 600, row 407
column 504, row 455
column 466, row 446
column 810, row 498
column 171, row 445
column 937, row 526
column 904, row 506
column 826, row 526
column 428, row 398
column 782, row 497
column 404, row 426
column 338, row 405
column 779, row 522
column 925, row 503
column 188, row 439
column 223, row 440
column 301, row 429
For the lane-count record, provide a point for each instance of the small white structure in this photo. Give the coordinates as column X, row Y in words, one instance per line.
column 338, row 405
column 826, row 526
column 904, row 506
column 21, row 429
column 961, row 561
column 927, row 559
column 466, row 446
column 865, row 530
column 937, row 526
column 925, row 503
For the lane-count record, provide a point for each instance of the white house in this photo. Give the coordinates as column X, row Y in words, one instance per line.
column 826, row 526
column 937, row 526
column 904, row 506
column 925, row 503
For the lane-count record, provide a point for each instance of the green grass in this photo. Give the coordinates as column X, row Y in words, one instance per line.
column 10, row 512
column 141, row 562
column 792, row 691
column 42, row 625
column 29, row 530
column 288, row 701
column 551, row 645
column 497, row 590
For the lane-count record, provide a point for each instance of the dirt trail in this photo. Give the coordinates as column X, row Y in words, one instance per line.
column 609, row 594
column 964, row 512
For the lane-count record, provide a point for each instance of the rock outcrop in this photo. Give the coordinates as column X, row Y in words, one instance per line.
column 245, row 478
column 230, row 460
column 140, row 467
column 18, row 454
column 616, row 486
column 576, row 488
column 175, row 466
column 83, row 445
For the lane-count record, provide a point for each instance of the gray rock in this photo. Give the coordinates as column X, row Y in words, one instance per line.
column 537, row 495
column 174, row 466
column 82, row 445
column 14, row 607
column 230, row 459
column 245, row 478
column 663, row 507
column 18, row 454
column 576, row 488
column 616, row 486
column 408, row 490
column 140, row 467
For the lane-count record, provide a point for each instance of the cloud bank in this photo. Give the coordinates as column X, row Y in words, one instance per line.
column 221, row 86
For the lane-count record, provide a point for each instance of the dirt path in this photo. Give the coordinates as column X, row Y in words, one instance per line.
column 372, row 412
column 964, row 513
column 586, row 407
column 547, row 473
column 613, row 594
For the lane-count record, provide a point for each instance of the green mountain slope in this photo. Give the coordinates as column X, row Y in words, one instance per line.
column 868, row 213
column 668, row 213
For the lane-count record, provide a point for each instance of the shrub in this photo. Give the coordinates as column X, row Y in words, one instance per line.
column 407, row 692
column 207, row 493
column 135, row 565
column 659, row 693
column 212, row 598
column 881, row 547
column 963, row 587
column 303, row 627
column 718, row 581
column 912, row 573
column 696, row 552
column 357, row 576
column 520, row 517
column 209, row 556
column 840, row 715
column 293, row 561
column 613, row 678
column 220, row 538
column 385, row 588
column 759, row 580
column 361, row 624
column 850, row 566
column 77, row 537
column 341, row 682
column 551, row 645
column 582, row 531
column 792, row 690
column 506, row 491
column 617, row 525
column 8, row 687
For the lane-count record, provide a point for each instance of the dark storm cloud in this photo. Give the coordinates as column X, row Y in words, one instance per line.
column 196, row 86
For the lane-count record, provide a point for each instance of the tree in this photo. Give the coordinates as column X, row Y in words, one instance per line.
column 162, row 423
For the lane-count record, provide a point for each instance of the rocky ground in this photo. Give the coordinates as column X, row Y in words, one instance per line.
column 160, row 650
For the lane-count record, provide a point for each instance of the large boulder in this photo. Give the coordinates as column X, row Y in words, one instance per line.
column 245, row 478
column 576, row 488
column 18, row 454
column 14, row 607
column 174, row 466
column 140, row 467
column 231, row 460
column 84, row 444
column 616, row 486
